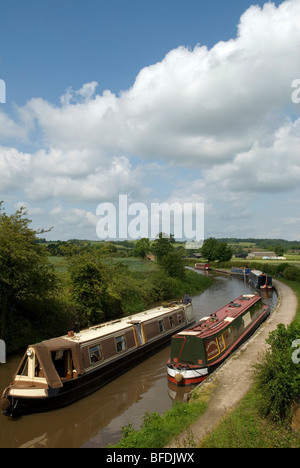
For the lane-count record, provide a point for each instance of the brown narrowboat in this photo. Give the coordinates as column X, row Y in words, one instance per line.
column 60, row 371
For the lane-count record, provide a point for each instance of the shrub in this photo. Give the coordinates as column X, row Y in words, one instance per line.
column 277, row 377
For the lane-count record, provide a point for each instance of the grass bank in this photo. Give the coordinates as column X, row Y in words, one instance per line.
column 156, row 430
column 245, row 428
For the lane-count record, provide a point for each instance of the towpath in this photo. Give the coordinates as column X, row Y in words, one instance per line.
column 233, row 379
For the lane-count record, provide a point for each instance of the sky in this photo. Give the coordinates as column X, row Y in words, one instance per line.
column 163, row 101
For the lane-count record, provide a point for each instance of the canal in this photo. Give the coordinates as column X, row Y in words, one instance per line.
column 96, row 421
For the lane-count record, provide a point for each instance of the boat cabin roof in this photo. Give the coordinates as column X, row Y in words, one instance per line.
column 220, row 319
column 120, row 325
column 258, row 273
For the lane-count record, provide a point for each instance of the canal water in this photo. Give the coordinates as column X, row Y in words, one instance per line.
column 97, row 420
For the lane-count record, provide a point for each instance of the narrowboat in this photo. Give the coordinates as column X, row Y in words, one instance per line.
column 203, row 266
column 243, row 271
column 60, row 371
column 200, row 349
column 260, row 280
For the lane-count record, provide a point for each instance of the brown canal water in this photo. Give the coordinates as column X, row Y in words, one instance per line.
column 97, row 420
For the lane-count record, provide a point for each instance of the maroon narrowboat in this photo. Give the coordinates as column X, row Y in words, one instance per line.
column 200, row 349
column 202, row 266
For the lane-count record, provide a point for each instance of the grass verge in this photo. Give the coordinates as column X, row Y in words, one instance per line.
column 157, row 430
column 245, row 428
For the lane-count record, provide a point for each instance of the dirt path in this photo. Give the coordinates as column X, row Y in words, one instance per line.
column 233, row 379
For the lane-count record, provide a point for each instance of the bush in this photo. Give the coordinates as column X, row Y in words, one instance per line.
column 292, row 273
column 157, row 430
column 277, row 377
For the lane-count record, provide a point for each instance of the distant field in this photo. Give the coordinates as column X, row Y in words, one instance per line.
column 135, row 264
column 60, row 264
column 291, row 259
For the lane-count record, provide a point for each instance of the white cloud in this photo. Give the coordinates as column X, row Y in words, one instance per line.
column 199, row 106
column 100, row 184
column 222, row 111
column 14, row 169
column 264, row 168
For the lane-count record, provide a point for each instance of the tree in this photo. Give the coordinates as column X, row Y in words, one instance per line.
column 279, row 250
column 224, row 252
column 209, row 249
column 26, row 278
column 213, row 249
column 142, row 247
column 167, row 258
column 163, row 245
column 92, row 289
column 172, row 264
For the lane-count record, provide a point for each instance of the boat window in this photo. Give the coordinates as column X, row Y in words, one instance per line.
column 161, row 326
column 179, row 317
column 120, row 343
column 228, row 336
column 171, row 320
column 221, row 343
column 95, row 354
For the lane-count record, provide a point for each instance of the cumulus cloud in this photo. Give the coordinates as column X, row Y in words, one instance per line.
column 223, row 112
column 97, row 186
column 264, row 168
column 14, row 169
column 199, row 105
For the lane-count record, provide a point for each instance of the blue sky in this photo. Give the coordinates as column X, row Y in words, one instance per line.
column 165, row 101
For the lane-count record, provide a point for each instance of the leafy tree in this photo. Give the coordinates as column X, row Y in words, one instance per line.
column 213, row 249
column 163, row 245
column 168, row 259
column 209, row 249
column 26, row 278
column 142, row 248
column 91, row 291
column 224, row 252
column 279, row 250
column 173, row 265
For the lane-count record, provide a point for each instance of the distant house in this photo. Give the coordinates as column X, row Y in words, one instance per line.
column 150, row 257
column 261, row 255
column 195, row 255
column 240, row 255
